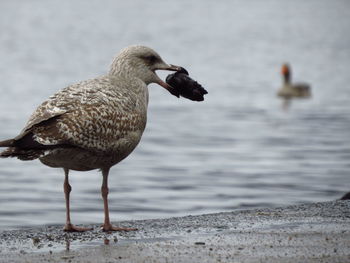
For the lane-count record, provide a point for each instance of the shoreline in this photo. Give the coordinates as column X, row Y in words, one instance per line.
column 318, row 232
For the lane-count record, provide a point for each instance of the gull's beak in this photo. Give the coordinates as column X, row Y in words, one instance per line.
column 164, row 84
column 173, row 68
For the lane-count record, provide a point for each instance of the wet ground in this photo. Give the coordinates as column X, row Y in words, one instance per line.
column 316, row 232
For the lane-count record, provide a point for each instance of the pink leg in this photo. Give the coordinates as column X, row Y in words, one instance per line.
column 67, row 189
column 107, row 226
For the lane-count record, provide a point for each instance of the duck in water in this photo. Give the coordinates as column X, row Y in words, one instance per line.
column 291, row 90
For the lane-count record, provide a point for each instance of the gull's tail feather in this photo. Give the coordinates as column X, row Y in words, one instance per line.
column 7, row 152
column 22, row 154
column 7, row 143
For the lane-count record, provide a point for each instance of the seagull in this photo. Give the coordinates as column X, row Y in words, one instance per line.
column 93, row 124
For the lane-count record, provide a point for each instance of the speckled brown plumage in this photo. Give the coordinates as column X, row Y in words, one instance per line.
column 92, row 124
column 101, row 116
column 95, row 115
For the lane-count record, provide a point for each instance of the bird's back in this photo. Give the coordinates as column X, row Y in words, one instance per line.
column 297, row 90
column 102, row 116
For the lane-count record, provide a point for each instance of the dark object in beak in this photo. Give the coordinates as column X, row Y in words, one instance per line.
column 184, row 86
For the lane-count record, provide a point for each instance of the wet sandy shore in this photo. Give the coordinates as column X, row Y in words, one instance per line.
column 317, row 232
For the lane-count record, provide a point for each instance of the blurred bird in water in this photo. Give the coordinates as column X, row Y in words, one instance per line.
column 291, row 90
column 93, row 124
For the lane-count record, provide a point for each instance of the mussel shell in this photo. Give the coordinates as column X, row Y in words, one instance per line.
column 185, row 86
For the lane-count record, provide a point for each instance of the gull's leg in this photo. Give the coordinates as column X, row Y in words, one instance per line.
column 107, row 226
column 67, row 189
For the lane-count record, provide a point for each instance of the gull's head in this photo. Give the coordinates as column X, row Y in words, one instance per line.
column 141, row 62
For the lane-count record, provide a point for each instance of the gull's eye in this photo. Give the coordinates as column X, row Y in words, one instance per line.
column 151, row 59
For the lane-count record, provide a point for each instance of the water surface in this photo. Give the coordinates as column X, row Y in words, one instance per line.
column 237, row 149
